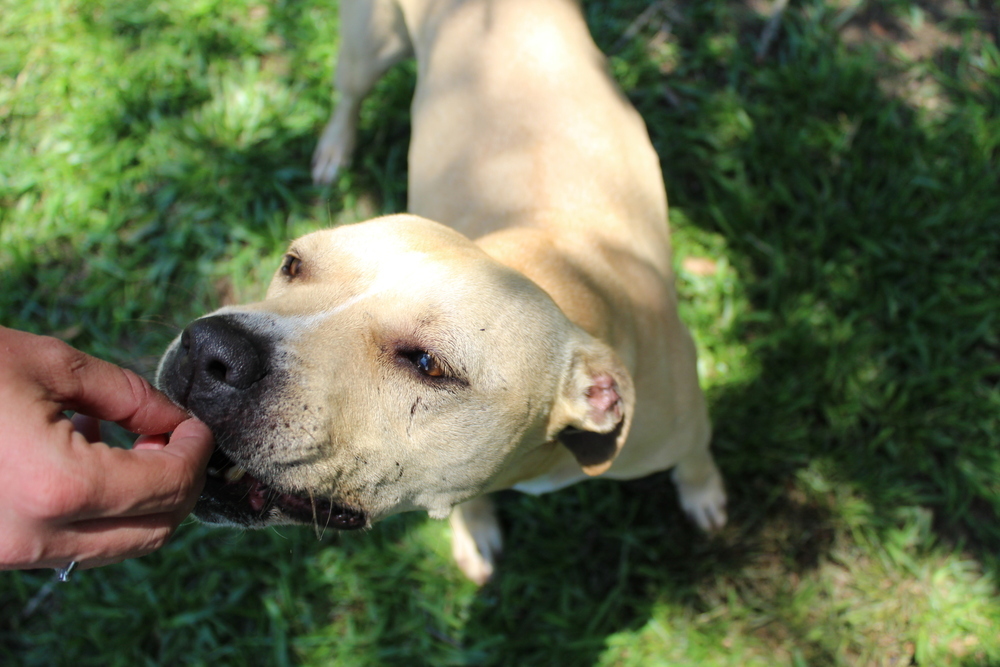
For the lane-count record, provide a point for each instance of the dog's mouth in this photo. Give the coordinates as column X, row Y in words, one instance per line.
column 233, row 495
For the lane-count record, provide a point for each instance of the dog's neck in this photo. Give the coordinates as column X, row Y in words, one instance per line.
column 605, row 287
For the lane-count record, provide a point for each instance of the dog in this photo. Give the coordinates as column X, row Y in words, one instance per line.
column 518, row 329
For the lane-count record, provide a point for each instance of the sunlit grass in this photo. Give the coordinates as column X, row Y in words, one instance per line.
column 836, row 223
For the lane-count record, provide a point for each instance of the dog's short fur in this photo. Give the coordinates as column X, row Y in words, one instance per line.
column 401, row 364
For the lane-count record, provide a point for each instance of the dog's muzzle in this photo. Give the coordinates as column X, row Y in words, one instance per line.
column 221, row 370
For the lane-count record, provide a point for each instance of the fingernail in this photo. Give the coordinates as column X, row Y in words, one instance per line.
column 158, row 441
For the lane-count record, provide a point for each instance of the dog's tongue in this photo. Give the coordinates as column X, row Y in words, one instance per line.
column 256, row 496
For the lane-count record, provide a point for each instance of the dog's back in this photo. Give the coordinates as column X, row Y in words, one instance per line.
column 517, row 123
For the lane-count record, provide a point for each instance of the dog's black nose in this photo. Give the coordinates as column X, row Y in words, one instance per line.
column 216, row 356
column 222, row 352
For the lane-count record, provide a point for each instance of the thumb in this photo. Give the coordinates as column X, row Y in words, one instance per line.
column 193, row 441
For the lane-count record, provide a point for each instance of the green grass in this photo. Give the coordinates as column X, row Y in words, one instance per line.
column 836, row 216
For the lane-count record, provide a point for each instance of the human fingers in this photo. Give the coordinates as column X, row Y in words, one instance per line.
column 100, row 504
column 90, row 428
column 87, row 426
column 100, row 542
column 99, row 481
column 192, row 439
column 73, row 380
column 89, row 543
column 158, row 441
column 104, row 541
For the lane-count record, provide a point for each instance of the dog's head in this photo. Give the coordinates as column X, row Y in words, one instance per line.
column 392, row 366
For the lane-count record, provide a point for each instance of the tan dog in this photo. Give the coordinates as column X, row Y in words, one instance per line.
column 398, row 365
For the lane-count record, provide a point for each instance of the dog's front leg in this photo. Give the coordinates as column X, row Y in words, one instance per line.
column 700, row 488
column 476, row 541
column 373, row 39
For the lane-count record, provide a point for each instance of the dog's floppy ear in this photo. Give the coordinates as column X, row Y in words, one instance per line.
column 593, row 411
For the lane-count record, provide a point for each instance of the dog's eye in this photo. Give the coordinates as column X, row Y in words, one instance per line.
column 291, row 266
column 424, row 362
column 428, row 365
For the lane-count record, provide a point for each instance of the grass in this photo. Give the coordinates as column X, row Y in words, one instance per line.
column 836, row 216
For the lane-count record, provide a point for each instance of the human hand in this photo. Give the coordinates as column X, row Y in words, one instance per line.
column 65, row 496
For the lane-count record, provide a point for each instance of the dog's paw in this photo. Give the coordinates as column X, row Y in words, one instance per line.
column 476, row 540
column 477, row 561
column 704, row 503
column 327, row 162
column 333, row 152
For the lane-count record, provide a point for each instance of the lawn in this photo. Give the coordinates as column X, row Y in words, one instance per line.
column 835, row 201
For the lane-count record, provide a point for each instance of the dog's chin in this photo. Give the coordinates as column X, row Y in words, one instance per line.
column 234, row 497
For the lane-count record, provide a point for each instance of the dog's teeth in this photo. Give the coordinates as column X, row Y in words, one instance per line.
column 234, row 474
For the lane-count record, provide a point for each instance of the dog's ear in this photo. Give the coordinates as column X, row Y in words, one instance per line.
column 593, row 411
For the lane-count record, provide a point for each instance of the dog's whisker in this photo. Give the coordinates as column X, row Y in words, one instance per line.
column 158, row 322
column 329, row 514
column 315, row 519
